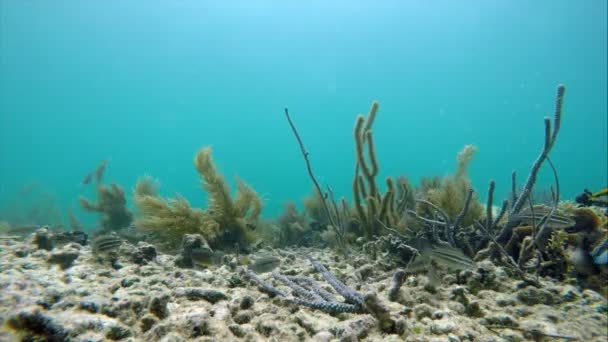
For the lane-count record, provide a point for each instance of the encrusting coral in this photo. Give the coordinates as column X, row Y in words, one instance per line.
column 226, row 221
column 111, row 203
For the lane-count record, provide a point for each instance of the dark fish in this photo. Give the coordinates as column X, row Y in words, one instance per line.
column 265, row 264
column 100, row 170
column 87, row 179
column 556, row 220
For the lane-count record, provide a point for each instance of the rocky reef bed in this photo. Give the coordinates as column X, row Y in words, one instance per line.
column 68, row 294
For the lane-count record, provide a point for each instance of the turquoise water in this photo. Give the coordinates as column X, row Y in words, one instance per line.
column 146, row 84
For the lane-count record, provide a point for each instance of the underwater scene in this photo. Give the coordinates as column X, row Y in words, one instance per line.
column 271, row 170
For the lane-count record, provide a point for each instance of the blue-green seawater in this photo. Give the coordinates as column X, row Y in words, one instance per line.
column 145, row 84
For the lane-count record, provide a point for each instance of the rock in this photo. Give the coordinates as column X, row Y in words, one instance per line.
column 89, row 306
column 503, row 300
column 423, row 310
column 147, row 322
column 198, row 325
column 42, row 239
column 237, row 330
column 449, row 279
column 158, row 306
column 323, row 336
column 195, row 293
column 453, row 338
column 501, row 319
column 532, row 296
column 266, row 327
column 511, row 336
column 190, row 242
column 64, row 257
column 569, row 294
column 246, row 302
column 591, row 296
column 306, row 323
column 442, row 327
column 37, row 324
column 365, row 271
column 118, row 332
column 144, row 253
column 21, row 252
column 356, row 328
column 129, row 281
column 51, row 296
column 148, row 250
column 439, row 314
column 173, row 337
column 243, row 317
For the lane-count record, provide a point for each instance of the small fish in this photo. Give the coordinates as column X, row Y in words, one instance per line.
column 556, row 220
column 87, row 179
column 264, row 264
column 206, row 257
column 101, row 168
column 453, row 259
column 106, row 243
column 432, row 259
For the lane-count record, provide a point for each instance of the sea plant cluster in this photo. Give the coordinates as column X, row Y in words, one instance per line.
column 226, row 221
column 441, row 213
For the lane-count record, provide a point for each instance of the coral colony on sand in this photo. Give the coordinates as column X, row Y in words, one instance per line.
column 396, row 263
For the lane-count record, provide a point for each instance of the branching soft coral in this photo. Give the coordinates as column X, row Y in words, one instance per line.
column 170, row 218
column 226, row 221
column 111, row 204
column 451, row 192
column 237, row 217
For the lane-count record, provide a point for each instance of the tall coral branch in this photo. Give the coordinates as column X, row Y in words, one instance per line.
column 550, row 137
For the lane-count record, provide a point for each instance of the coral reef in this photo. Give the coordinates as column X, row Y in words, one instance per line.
column 431, row 263
column 149, row 299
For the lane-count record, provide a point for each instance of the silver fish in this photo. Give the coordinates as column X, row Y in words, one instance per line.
column 433, row 258
column 556, row 220
column 265, row 264
column 205, row 256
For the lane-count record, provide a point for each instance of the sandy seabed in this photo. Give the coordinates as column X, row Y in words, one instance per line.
column 68, row 294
